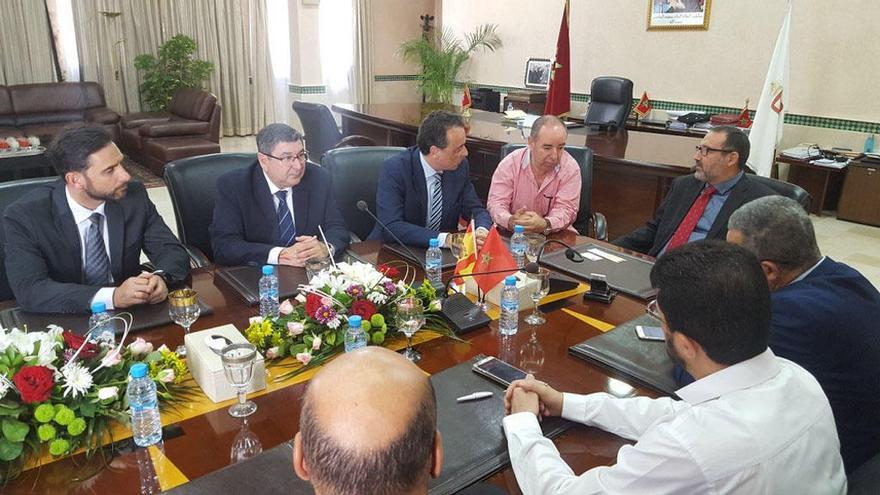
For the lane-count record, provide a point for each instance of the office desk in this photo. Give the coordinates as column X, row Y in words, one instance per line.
column 823, row 183
column 205, row 441
column 632, row 170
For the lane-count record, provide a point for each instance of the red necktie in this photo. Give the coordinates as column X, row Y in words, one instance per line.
column 686, row 227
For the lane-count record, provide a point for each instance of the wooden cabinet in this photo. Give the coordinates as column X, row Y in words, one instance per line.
column 860, row 199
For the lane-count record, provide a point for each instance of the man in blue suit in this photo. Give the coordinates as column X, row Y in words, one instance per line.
column 424, row 190
column 270, row 211
column 826, row 317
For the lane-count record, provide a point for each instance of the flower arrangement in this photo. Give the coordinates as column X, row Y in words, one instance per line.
column 11, row 144
column 59, row 390
column 311, row 327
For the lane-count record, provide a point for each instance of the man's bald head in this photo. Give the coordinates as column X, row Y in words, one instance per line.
column 368, row 425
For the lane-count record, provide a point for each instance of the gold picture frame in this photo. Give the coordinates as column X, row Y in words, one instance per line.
column 678, row 14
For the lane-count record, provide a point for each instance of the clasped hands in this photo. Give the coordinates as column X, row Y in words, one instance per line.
column 530, row 395
column 144, row 288
column 530, row 220
column 305, row 247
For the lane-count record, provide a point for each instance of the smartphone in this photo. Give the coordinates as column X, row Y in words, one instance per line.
column 498, row 371
column 650, row 333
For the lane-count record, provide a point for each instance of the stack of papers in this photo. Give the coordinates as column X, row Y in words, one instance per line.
column 801, row 152
column 825, row 162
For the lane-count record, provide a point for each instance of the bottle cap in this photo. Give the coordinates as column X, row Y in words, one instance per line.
column 138, row 370
column 519, row 229
column 510, row 280
column 268, row 269
column 99, row 307
column 434, row 242
column 354, row 321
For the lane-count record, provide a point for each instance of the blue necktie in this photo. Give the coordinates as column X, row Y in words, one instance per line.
column 96, row 270
column 435, row 206
column 285, row 220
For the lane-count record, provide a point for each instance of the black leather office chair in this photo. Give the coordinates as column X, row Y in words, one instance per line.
column 321, row 133
column 9, row 193
column 610, row 102
column 191, row 185
column 786, row 189
column 866, row 479
column 587, row 222
column 355, row 173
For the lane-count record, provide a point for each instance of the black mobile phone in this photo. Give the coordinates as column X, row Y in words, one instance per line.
column 498, row 371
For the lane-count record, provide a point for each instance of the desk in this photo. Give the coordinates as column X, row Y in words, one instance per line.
column 823, row 183
column 204, row 445
column 632, row 170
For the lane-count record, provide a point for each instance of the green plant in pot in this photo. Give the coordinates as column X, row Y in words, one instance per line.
column 441, row 57
column 174, row 67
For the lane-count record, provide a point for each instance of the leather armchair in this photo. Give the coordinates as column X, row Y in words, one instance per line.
column 610, row 102
column 786, row 189
column 320, row 131
column 9, row 193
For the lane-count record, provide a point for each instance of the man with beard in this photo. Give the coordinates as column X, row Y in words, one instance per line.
column 79, row 240
column 750, row 423
column 699, row 204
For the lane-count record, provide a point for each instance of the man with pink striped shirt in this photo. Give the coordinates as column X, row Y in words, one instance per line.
column 539, row 186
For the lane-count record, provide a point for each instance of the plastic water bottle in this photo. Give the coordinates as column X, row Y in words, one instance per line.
column 518, row 245
column 145, row 422
column 101, row 322
column 434, row 262
column 355, row 337
column 269, row 293
column 509, row 307
column 869, row 144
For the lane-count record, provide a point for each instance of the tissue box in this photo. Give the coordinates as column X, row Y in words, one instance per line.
column 525, row 285
column 207, row 367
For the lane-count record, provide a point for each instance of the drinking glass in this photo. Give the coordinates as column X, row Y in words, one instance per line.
column 246, row 444
column 454, row 241
column 238, row 366
column 411, row 317
column 541, row 288
column 534, row 241
column 183, row 308
column 531, row 354
column 316, row 265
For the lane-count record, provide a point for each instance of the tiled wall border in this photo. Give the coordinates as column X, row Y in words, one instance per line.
column 306, row 90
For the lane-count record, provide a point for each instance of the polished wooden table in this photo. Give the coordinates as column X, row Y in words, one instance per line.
column 632, row 170
column 201, row 445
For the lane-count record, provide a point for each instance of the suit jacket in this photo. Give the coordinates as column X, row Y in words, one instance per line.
column 43, row 247
column 651, row 238
column 402, row 200
column 245, row 224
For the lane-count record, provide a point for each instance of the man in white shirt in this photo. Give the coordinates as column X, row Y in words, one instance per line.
column 750, row 423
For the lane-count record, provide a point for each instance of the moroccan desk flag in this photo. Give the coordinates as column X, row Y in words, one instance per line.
column 466, row 98
column 559, row 94
column 493, row 256
column 468, row 255
column 644, row 107
column 744, row 120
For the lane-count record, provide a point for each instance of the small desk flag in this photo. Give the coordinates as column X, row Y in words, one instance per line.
column 644, row 107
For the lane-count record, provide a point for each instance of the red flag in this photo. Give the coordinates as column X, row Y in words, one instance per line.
column 559, row 93
column 466, row 98
column 644, row 106
column 493, row 256
column 744, row 121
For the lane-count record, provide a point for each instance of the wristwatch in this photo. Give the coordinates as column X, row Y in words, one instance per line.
column 548, row 229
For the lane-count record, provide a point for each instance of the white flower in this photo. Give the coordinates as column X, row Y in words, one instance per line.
column 48, row 344
column 23, row 342
column 105, row 393
column 285, row 308
column 301, row 298
column 140, row 347
column 33, row 140
column 434, row 305
column 316, row 343
column 303, row 357
column 77, row 379
column 5, row 340
column 272, row 352
column 294, row 328
column 377, row 298
column 255, row 320
column 166, row 375
column 163, row 348
column 5, row 385
column 334, row 323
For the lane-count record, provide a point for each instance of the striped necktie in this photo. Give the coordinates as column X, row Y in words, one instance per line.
column 96, row 270
column 286, row 227
column 435, row 206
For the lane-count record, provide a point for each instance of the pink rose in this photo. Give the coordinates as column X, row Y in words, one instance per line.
column 285, row 308
column 112, row 358
column 303, row 357
column 166, row 376
column 295, row 328
column 316, row 343
column 272, row 353
column 140, row 346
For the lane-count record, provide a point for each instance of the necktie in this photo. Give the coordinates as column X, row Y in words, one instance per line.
column 97, row 267
column 686, row 227
column 285, row 220
column 435, row 205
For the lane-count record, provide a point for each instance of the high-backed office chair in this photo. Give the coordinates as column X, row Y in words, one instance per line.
column 355, row 173
column 587, row 222
column 321, row 133
column 786, row 189
column 866, row 479
column 610, row 102
column 9, row 193
column 192, row 186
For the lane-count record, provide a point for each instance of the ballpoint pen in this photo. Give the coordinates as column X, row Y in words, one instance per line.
column 474, row 396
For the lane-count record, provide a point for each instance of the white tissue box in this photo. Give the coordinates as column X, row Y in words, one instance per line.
column 207, row 367
column 525, row 285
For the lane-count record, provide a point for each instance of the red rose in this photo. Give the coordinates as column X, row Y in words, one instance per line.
column 74, row 341
column 388, row 270
column 363, row 308
column 313, row 302
column 34, row 383
column 23, row 142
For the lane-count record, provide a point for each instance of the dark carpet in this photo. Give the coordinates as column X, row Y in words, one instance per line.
column 142, row 174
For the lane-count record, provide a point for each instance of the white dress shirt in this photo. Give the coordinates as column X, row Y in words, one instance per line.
column 429, row 180
column 275, row 252
column 81, row 216
column 760, row 426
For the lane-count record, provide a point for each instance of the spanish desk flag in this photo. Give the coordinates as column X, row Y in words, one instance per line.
column 493, row 256
column 468, row 255
column 644, row 107
column 744, row 120
column 466, row 98
column 559, row 93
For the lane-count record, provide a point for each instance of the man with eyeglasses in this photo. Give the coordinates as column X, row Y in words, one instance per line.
column 270, row 211
column 698, row 205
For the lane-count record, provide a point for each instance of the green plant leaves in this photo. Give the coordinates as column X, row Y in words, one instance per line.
column 175, row 67
column 14, row 430
column 10, row 451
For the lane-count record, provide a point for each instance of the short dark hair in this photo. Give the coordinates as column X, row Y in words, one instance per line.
column 735, row 139
column 432, row 132
column 396, row 468
column 776, row 228
column 272, row 134
column 71, row 148
column 716, row 294
column 543, row 120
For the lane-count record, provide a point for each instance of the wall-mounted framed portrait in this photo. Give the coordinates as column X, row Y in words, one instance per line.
column 678, row 14
column 538, row 73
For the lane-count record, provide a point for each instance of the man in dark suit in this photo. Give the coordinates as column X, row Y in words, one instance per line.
column 698, row 206
column 270, row 211
column 826, row 317
column 424, row 190
column 79, row 240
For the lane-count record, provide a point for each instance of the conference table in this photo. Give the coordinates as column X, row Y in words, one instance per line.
column 201, row 445
column 632, row 169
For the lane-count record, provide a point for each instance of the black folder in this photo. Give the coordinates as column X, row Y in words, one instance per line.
column 632, row 276
column 245, row 281
column 622, row 351
column 449, row 261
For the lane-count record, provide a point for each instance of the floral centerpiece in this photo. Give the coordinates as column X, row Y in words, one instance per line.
column 60, row 390
column 311, row 327
column 11, row 144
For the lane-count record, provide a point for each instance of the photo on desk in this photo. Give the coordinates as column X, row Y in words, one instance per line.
column 538, row 73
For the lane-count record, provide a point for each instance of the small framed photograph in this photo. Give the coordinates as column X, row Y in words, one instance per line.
column 678, row 14
column 538, row 73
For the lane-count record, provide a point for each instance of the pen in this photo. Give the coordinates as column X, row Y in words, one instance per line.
column 474, row 396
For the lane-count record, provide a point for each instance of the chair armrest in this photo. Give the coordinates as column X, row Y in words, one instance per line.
column 138, row 119
column 101, row 115
column 600, row 226
column 175, row 128
column 197, row 258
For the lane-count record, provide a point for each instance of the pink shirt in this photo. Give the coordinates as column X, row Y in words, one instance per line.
column 514, row 186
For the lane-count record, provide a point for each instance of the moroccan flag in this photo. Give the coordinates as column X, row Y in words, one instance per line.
column 468, row 256
column 493, row 256
column 559, row 93
column 466, row 98
column 644, row 107
column 744, row 120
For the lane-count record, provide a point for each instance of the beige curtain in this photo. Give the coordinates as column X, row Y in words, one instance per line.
column 26, row 54
column 363, row 51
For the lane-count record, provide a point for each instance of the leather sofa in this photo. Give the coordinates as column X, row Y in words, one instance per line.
column 189, row 127
column 44, row 109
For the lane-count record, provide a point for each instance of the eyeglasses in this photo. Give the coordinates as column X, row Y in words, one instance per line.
column 704, row 150
column 654, row 310
column 303, row 157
